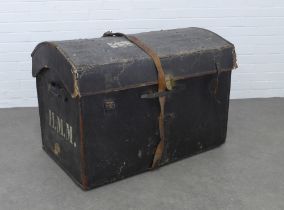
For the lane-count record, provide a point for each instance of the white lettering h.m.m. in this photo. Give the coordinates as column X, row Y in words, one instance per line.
column 61, row 127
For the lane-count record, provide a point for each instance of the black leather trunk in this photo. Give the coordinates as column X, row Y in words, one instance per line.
column 97, row 104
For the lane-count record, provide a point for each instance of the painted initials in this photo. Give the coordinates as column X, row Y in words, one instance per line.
column 61, row 127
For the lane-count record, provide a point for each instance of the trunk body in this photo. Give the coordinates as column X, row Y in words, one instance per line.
column 97, row 120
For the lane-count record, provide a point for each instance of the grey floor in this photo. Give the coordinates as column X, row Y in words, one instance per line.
column 245, row 173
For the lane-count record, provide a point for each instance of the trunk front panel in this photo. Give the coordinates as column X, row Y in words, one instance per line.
column 121, row 129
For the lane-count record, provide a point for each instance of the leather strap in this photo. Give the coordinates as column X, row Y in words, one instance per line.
column 161, row 88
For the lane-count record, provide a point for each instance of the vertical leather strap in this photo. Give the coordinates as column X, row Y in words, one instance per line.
column 161, row 88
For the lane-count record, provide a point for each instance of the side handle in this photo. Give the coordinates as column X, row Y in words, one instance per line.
column 57, row 90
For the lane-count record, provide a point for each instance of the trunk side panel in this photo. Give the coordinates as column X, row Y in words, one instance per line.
column 59, row 116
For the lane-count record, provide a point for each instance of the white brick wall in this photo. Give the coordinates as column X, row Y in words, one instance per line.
column 256, row 27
